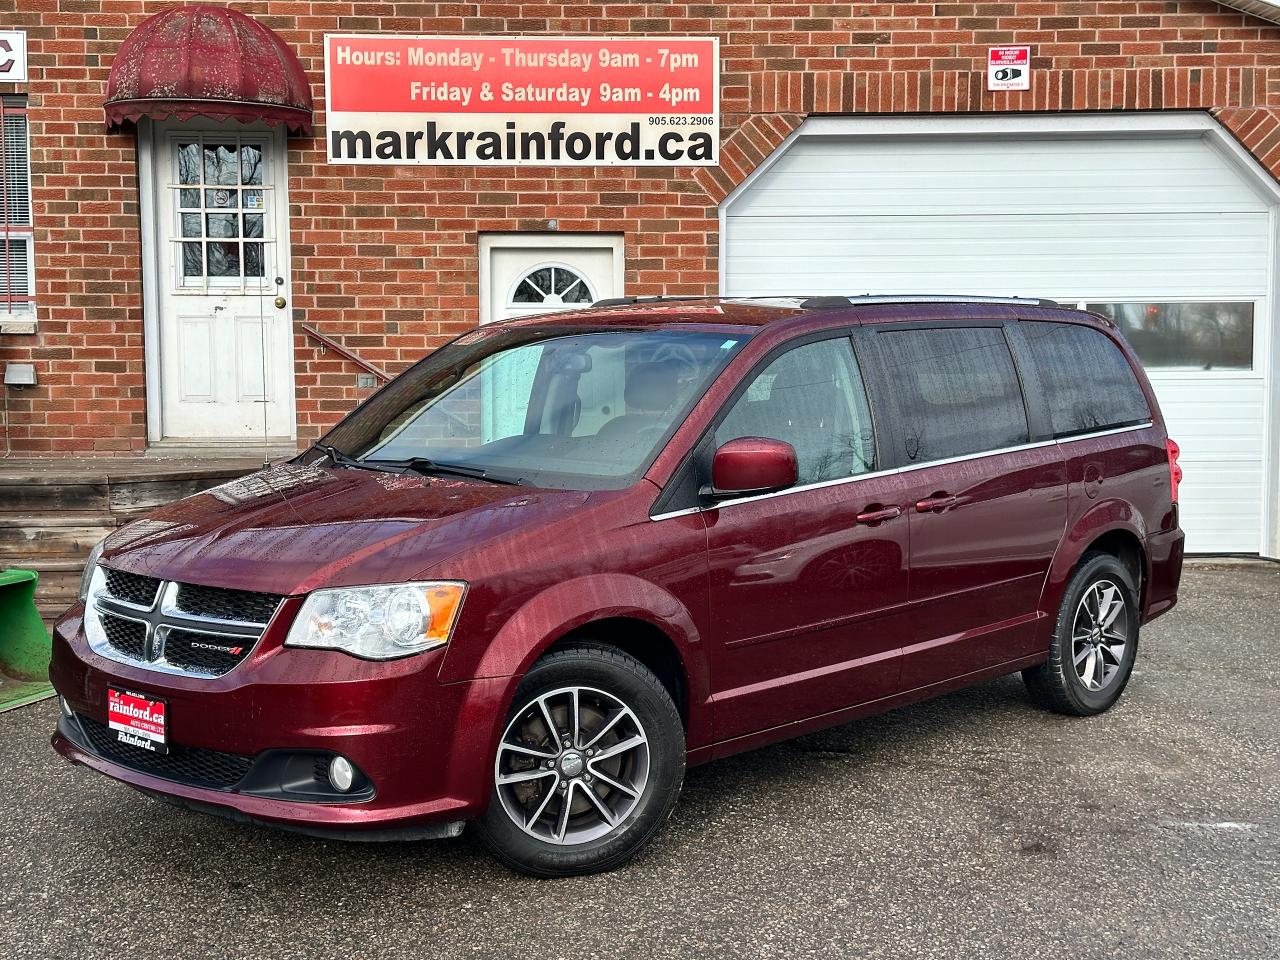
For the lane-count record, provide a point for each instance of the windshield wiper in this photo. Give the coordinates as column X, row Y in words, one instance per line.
column 427, row 465
column 340, row 459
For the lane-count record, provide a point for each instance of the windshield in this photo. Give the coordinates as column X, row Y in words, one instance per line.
column 553, row 407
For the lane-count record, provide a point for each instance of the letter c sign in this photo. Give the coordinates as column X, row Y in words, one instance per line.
column 13, row 56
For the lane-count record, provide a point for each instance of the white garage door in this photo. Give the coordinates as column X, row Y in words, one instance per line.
column 1165, row 232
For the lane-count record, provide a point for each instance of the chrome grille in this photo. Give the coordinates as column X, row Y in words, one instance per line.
column 127, row 636
column 174, row 627
column 218, row 603
column 132, row 587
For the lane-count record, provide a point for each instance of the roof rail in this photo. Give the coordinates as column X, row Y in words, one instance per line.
column 657, row 298
column 837, row 303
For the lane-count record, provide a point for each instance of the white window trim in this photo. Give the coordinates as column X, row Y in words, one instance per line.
column 24, row 321
column 550, row 242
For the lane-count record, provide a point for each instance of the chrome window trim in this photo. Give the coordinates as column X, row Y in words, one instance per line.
column 689, row 511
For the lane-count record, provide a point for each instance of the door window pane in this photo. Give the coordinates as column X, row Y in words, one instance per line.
column 221, row 164
column 253, row 260
column 957, row 390
column 192, row 260
column 1087, row 381
column 813, row 398
column 222, row 225
column 224, row 259
column 188, row 164
column 1199, row 336
column 250, row 164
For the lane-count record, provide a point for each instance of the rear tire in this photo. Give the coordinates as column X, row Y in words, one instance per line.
column 589, row 765
column 1095, row 641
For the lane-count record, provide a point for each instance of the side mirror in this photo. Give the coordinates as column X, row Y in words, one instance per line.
column 751, row 465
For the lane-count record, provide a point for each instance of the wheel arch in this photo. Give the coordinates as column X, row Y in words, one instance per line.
column 1112, row 526
column 623, row 611
column 644, row 641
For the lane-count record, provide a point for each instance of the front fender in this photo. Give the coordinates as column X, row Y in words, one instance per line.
column 564, row 607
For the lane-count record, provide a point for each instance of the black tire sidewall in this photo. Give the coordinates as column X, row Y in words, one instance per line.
column 1095, row 568
column 625, row 678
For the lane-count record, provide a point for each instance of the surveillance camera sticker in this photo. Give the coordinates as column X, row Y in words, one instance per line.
column 1009, row 68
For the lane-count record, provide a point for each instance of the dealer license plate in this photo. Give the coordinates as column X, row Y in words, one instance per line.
column 138, row 720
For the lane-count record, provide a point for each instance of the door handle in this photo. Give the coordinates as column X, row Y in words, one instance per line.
column 936, row 503
column 878, row 515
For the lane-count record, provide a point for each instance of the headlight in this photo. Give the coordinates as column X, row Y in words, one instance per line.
column 89, row 565
column 378, row 623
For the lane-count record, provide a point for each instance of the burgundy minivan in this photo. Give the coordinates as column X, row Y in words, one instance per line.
column 561, row 558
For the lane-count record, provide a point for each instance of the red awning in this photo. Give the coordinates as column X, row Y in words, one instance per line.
column 204, row 61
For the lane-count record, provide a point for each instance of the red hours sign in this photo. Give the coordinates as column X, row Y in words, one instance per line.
column 1009, row 68
column 646, row 101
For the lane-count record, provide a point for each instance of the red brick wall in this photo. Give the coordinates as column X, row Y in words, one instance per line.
column 386, row 258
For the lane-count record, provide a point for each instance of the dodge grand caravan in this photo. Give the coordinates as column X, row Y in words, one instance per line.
column 560, row 559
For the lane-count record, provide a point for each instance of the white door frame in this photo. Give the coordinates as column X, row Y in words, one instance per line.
column 1090, row 125
column 151, row 157
column 550, row 242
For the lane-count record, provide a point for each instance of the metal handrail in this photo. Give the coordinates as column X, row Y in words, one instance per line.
column 326, row 341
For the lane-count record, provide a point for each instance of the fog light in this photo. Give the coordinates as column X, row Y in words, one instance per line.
column 66, row 708
column 341, row 774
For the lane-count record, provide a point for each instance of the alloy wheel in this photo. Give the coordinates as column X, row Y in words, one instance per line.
column 572, row 765
column 1100, row 635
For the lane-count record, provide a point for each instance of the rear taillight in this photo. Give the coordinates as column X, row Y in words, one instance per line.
column 1175, row 471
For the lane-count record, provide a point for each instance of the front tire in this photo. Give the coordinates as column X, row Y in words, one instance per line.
column 1095, row 641
column 589, row 765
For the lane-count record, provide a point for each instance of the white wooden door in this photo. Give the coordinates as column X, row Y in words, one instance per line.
column 226, row 348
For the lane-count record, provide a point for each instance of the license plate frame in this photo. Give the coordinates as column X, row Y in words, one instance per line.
column 138, row 719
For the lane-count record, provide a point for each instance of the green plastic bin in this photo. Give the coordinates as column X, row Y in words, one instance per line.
column 24, row 642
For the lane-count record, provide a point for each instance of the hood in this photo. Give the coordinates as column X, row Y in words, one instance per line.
column 293, row 528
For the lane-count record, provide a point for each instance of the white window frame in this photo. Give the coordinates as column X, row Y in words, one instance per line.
column 25, row 232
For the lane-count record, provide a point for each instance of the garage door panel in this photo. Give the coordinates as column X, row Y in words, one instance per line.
column 1101, row 219
column 928, row 177
column 1076, row 256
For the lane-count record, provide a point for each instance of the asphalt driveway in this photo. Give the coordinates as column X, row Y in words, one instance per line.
column 973, row 826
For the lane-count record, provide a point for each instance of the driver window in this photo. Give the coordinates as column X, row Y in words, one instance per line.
column 812, row 397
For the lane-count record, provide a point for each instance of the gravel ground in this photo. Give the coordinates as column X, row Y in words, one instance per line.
column 973, row 826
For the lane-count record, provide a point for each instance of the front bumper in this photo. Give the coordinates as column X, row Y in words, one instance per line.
column 424, row 746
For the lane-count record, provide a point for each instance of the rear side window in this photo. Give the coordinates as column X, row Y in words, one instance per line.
column 813, row 398
column 957, row 391
column 1087, row 381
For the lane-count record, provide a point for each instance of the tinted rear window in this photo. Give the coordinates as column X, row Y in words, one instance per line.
column 957, row 391
column 1087, row 381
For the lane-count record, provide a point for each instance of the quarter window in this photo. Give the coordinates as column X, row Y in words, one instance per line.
column 17, row 258
column 1088, row 383
column 957, row 391
column 1188, row 336
column 813, row 398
